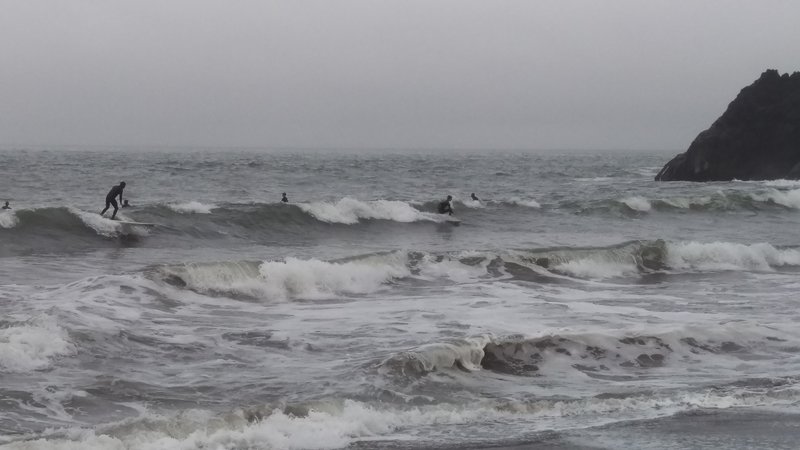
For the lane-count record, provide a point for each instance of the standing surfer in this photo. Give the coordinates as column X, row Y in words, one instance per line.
column 111, row 200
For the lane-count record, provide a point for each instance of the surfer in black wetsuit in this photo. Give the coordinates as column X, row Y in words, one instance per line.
column 6, row 205
column 111, row 199
column 125, row 204
column 445, row 206
column 284, row 199
column 474, row 197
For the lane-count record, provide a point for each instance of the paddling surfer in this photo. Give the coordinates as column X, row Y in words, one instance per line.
column 446, row 206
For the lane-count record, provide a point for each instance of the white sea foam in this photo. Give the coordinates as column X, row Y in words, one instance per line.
column 103, row 226
column 8, row 219
column 597, row 268
column 467, row 354
column 637, row 203
column 729, row 256
column 474, row 204
column 295, row 278
column 31, row 345
column 432, row 267
column 530, row 203
column 192, row 207
column 350, row 211
column 789, row 199
column 781, row 183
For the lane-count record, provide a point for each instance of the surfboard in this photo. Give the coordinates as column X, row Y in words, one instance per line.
column 137, row 224
column 453, row 220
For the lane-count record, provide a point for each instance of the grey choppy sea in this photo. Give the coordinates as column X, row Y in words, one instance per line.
column 578, row 304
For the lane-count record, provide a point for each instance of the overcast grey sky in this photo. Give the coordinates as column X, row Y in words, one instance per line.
column 559, row 74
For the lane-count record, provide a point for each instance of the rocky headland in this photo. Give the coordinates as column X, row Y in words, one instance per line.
column 756, row 138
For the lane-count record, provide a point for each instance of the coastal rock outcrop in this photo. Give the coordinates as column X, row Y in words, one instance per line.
column 756, row 138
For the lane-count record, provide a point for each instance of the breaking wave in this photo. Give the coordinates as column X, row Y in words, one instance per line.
column 712, row 202
column 644, row 256
column 730, row 256
column 184, row 223
column 602, row 356
column 68, row 220
column 637, row 203
column 295, row 278
column 351, row 211
column 64, row 229
column 289, row 279
column 339, row 423
column 789, row 199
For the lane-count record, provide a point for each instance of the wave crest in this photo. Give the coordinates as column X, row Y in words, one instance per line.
column 635, row 203
column 192, row 207
column 351, row 211
column 789, row 199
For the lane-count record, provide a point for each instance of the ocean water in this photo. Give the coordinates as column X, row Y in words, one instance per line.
column 579, row 304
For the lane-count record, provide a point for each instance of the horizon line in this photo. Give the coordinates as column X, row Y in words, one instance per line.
column 151, row 147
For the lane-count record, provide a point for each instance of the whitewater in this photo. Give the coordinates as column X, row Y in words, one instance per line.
column 578, row 304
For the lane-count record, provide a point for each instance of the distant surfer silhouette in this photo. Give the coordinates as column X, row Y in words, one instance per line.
column 474, row 197
column 445, row 206
column 284, row 199
column 111, row 199
column 125, row 204
column 6, row 205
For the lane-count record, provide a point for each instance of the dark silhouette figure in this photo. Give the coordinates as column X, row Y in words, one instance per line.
column 125, row 204
column 445, row 206
column 6, row 205
column 284, row 199
column 111, row 199
column 474, row 197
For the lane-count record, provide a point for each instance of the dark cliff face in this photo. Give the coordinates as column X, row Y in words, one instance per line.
column 757, row 138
